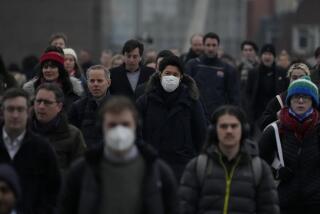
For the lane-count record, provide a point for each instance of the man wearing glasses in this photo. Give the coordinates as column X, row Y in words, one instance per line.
column 32, row 157
column 50, row 121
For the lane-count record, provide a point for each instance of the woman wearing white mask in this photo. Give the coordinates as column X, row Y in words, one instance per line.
column 172, row 116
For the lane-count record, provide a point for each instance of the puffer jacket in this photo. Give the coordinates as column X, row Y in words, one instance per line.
column 300, row 183
column 232, row 191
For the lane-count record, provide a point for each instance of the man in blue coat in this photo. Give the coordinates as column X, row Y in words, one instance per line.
column 217, row 82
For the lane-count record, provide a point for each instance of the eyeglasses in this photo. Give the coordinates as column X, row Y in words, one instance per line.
column 232, row 126
column 45, row 102
column 12, row 109
column 301, row 96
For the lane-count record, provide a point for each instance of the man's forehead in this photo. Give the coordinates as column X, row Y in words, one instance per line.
column 15, row 101
column 122, row 115
column 133, row 52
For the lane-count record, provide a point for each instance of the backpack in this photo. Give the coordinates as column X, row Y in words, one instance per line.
column 204, row 165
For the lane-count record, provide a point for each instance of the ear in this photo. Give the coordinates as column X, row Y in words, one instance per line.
column 109, row 82
column 60, row 106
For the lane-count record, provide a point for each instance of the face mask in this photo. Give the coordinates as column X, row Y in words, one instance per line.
column 170, row 83
column 119, row 138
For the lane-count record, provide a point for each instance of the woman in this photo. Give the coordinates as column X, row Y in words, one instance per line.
column 298, row 128
column 274, row 106
column 52, row 70
column 172, row 116
column 72, row 66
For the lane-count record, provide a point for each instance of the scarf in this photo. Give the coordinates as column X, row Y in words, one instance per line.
column 300, row 128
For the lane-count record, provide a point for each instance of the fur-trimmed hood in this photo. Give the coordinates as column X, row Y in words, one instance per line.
column 186, row 81
column 76, row 86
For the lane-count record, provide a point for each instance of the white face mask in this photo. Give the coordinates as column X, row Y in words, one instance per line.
column 119, row 138
column 170, row 83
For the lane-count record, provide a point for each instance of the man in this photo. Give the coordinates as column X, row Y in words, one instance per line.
column 31, row 156
column 315, row 74
column 249, row 60
column 84, row 112
column 195, row 50
column 229, row 177
column 126, row 78
column 265, row 82
column 10, row 190
column 217, row 81
column 121, row 175
column 105, row 58
column 50, row 122
column 58, row 40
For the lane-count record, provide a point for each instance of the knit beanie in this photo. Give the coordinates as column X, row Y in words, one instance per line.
column 52, row 56
column 9, row 176
column 303, row 86
column 70, row 51
column 268, row 48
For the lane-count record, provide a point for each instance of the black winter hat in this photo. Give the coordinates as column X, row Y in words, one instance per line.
column 268, row 48
column 9, row 175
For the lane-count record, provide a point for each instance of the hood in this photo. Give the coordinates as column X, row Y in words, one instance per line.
column 187, row 81
column 248, row 147
column 77, row 86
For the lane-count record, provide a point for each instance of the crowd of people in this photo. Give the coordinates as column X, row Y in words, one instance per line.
column 160, row 132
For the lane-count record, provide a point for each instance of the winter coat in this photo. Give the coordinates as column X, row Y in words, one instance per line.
column 84, row 115
column 253, row 85
column 6, row 81
column 70, row 96
column 217, row 81
column 65, row 139
column 188, row 56
column 176, row 129
column 37, row 168
column 120, row 82
column 300, row 183
column 270, row 113
column 82, row 190
column 232, row 191
column 315, row 75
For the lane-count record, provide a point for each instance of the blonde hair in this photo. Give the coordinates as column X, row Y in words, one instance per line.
column 301, row 66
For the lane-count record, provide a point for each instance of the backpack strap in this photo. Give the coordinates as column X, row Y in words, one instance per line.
column 280, row 101
column 279, row 147
column 257, row 170
column 204, row 167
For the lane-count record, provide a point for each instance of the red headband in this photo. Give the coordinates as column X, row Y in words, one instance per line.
column 54, row 56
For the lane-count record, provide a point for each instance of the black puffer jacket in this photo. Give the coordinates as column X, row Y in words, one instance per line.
column 211, row 194
column 83, row 187
column 300, row 184
column 174, row 123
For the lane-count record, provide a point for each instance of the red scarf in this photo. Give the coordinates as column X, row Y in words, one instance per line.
column 300, row 129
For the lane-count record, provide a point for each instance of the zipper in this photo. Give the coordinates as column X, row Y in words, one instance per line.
column 228, row 182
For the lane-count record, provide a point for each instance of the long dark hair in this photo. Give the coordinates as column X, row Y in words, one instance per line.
column 63, row 78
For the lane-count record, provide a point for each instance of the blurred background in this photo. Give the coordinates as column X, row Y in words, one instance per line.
column 95, row 25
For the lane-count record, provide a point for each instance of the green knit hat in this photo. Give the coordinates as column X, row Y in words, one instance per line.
column 303, row 86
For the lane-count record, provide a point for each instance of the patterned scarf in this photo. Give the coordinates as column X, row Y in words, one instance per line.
column 300, row 128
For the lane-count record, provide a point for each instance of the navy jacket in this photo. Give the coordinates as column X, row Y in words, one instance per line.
column 217, row 81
